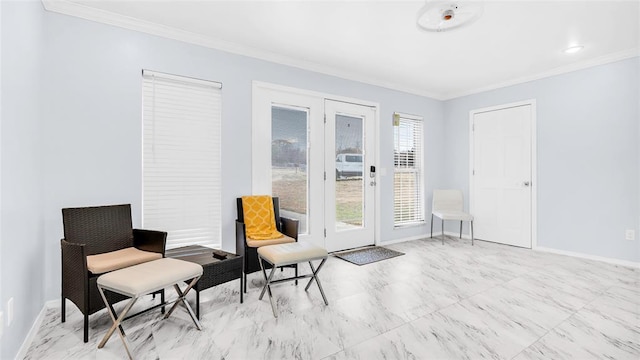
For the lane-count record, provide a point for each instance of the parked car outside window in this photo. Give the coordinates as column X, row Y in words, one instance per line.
column 348, row 165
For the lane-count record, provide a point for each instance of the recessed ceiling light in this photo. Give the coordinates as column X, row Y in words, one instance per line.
column 574, row 49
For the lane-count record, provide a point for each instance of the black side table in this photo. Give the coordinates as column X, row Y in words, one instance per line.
column 215, row 271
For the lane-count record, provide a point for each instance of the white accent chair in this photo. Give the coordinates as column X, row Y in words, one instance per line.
column 449, row 205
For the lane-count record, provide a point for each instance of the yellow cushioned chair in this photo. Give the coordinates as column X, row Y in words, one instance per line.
column 259, row 224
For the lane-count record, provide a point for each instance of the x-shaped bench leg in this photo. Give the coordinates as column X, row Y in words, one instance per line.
column 315, row 276
column 181, row 300
column 269, row 280
column 267, row 285
column 116, row 322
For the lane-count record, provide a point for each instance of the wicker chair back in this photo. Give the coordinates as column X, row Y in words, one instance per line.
column 101, row 228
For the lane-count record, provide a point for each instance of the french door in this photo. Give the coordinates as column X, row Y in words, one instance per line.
column 287, row 135
column 317, row 156
column 350, row 181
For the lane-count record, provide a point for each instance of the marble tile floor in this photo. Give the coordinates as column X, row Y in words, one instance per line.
column 451, row 301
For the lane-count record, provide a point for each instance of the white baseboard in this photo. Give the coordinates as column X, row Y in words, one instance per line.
column 53, row 304
column 396, row 241
column 632, row 264
column 22, row 352
column 437, row 235
column 453, row 234
column 425, row 236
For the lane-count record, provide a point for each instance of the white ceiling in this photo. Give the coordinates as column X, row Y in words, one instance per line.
column 377, row 42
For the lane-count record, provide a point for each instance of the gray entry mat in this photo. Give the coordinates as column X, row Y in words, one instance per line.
column 367, row 255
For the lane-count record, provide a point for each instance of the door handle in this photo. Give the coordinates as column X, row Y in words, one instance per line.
column 526, row 184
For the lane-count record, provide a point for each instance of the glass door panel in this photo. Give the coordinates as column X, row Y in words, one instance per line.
column 289, row 160
column 349, row 189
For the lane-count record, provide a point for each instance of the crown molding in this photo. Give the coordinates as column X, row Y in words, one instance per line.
column 602, row 60
column 106, row 17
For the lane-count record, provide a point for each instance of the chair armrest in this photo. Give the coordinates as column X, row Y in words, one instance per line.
column 290, row 227
column 74, row 268
column 241, row 240
column 150, row 240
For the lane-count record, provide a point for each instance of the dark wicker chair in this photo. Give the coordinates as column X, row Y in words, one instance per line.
column 286, row 226
column 96, row 230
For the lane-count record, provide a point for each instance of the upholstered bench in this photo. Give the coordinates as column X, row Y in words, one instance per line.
column 289, row 254
column 139, row 280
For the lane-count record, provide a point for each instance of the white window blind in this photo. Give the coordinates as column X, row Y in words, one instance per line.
column 408, row 170
column 181, row 158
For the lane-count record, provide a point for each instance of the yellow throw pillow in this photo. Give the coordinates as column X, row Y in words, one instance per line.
column 259, row 218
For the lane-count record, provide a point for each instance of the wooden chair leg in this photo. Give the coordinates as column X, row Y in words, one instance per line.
column 86, row 328
column 197, row 304
column 245, row 282
column 162, row 300
column 63, row 309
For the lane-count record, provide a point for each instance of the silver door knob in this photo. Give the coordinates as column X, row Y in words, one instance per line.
column 526, row 183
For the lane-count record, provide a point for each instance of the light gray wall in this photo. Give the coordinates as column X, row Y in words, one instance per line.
column 22, row 256
column 587, row 160
column 1, row 298
column 92, row 121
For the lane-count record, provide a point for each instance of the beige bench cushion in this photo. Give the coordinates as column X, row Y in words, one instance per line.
column 259, row 243
column 292, row 253
column 148, row 277
column 114, row 260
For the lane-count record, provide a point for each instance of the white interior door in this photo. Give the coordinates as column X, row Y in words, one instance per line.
column 501, row 188
column 350, row 181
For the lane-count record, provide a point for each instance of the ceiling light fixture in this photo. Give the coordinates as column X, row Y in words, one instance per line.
column 574, row 49
column 444, row 15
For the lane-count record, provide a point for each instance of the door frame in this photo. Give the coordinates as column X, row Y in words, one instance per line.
column 258, row 90
column 534, row 161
